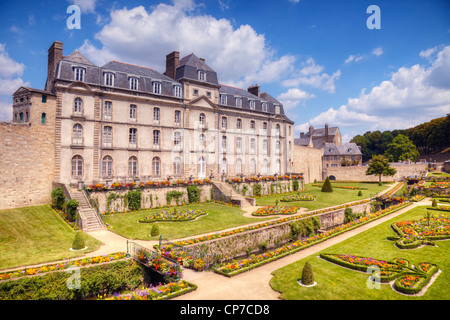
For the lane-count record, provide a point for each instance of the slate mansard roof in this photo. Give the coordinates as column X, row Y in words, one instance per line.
column 187, row 70
column 348, row 149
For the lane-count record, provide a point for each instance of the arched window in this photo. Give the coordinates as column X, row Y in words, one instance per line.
column 201, row 167
column 202, row 139
column 177, row 166
column 107, row 166
column 78, row 107
column 224, row 122
column 277, row 130
column 132, row 166
column 77, row 134
column 77, row 166
column 223, row 166
column 238, row 166
column 202, row 119
column 252, row 166
column 156, row 166
column 43, row 116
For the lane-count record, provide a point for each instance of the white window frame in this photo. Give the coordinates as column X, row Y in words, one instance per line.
column 77, row 166
column 251, row 104
column 107, row 113
column 224, row 143
column 133, row 112
column 177, row 91
column 107, row 166
column 238, row 102
column 133, row 83
column 79, row 74
column 77, row 134
column 264, row 106
column 132, row 166
column 157, row 87
column 156, row 115
column 238, row 145
column 156, row 139
column 132, row 138
column 177, row 117
column 78, row 106
column 177, row 166
column 107, row 136
column 201, row 74
column 156, row 166
column 177, row 138
column 239, row 124
column 223, row 99
column 108, row 79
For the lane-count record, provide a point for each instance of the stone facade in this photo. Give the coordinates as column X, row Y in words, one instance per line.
column 359, row 173
column 27, row 150
column 308, row 161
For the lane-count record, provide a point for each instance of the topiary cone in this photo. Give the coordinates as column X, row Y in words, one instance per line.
column 78, row 241
column 326, row 187
column 307, row 275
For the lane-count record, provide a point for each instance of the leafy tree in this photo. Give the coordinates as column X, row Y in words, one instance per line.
column 58, row 198
column 379, row 165
column 401, row 149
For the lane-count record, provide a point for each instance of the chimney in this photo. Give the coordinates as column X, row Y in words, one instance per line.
column 172, row 62
column 55, row 55
column 311, row 129
column 254, row 90
column 302, row 135
column 202, row 60
column 326, row 131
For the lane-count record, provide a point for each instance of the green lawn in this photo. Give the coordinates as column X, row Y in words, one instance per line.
column 33, row 235
column 438, row 174
column 325, row 199
column 219, row 217
column 338, row 283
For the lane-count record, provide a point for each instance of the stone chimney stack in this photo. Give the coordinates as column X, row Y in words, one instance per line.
column 326, row 132
column 172, row 62
column 55, row 55
column 302, row 135
column 254, row 90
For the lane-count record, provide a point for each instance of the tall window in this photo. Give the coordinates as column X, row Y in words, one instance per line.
column 132, row 166
column 277, row 109
column 252, row 125
column 43, row 116
column 252, row 145
column 77, row 166
column 107, row 166
column 238, row 145
column 78, row 74
column 223, row 166
column 277, row 147
column 107, row 114
column 202, row 119
column 264, row 127
column 202, row 139
column 107, row 137
column 77, row 135
column 108, row 79
column 156, row 166
column 156, row 139
column 224, row 122
column 278, row 166
column 265, row 150
column 133, row 138
column 252, row 166
column 238, row 166
column 277, row 130
column 239, row 124
column 264, row 106
column 224, row 143
column 177, row 117
column 201, row 167
column 133, row 112
column 156, row 115
column 252, row 104
column 78, row 107
column 177, row 91
column 157, row 87
column 223, row 99
column 265, row 167
column 177, row 138
column 201, row 75
column 133, row 83
column 177, row 166
column 239, row 102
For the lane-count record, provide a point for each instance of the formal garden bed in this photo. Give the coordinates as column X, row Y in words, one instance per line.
column 172, row 215
column 277, row 210
column 298, row 197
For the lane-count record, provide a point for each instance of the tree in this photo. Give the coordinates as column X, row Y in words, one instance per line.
column 401, row 149
column 327, row 187
column 307, row 275
column 379, row 165
column 58, row 198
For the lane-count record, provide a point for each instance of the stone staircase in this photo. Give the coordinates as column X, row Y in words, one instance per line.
column 228, row 191
column 90, row 219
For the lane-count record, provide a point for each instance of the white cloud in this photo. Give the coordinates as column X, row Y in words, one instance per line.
column 293, row 97
column 238, row 54
column 412, row 96
column 352, row 58
column 377, row 51
column 312, row 74
column 9, row 67
column 427, row 53
column 86, row 6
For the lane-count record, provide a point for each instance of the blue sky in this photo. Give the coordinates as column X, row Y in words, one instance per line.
column 317, row 57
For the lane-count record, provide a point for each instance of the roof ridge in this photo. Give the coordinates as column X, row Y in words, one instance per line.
column 226, row 85
column 134, row 65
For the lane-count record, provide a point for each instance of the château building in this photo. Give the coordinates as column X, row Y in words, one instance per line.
column 123, row 122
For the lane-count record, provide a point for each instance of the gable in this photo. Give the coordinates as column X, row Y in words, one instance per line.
column 202, row 102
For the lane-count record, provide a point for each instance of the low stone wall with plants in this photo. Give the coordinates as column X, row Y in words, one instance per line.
column 256, row 187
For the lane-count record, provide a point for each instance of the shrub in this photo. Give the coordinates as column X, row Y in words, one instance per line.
column 78, row 241
column 155, row 230
column 307, row 275
column 434, row 203
column 193, row 194
column 326, row 187
column 173, row 194
column 71, row 209
column 360, row 193
column 348, row 215
column 256, row 190
column 134, row 199
column 295, row 185
column 58, row 198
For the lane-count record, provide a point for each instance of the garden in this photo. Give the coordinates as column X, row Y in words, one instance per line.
column 411, row 270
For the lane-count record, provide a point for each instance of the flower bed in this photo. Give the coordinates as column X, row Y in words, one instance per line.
column 62, row 265
column 120, row 185
column 298, row 197
column 343, row 187
column 165, row 216
column 414, row 233
column 278, row 210
column 160, row 292
column 160, row 263
column 440, row 208
column 263, row 178
column 417, row 198
column 408, row 280
column 239, row 266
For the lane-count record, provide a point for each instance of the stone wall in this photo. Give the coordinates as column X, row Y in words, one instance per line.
column 150, row 197
column 27, row 157
column 267, row 187
column 309, row 162
column 359, row 173
column 238, row 245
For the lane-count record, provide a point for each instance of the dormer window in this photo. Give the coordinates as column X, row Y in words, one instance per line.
column 78, row 73
column 177, row 92
column 264, row 106
column 223, row 99
column 201, row 75
column 239, row 102
column 133, row 83
column 252, row 104
column 108, row 78
column 157, row 87
column 277, row 109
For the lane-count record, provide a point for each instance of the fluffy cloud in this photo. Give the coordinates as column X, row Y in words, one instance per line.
column 140, row 36
column 293, row 97
column 413, row 95
column 86, row 6
column 9, row 67
column 377, row 51
column 352, row 58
